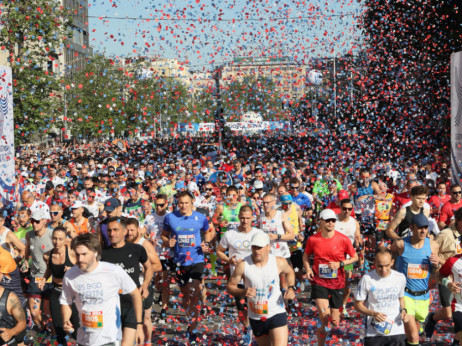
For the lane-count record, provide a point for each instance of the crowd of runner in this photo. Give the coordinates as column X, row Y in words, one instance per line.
column 93, row 234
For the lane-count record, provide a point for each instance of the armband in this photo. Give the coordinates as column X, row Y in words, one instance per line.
column 445, row 282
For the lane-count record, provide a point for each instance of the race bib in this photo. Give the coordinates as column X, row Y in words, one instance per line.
column 259, row 308
column 327, row 273
column 417, row 271
column 38, row 280
column 232, row 226
column 93, row 319
column 382, row 225
column 382, row 327
column 186, row 240
column 458, row 248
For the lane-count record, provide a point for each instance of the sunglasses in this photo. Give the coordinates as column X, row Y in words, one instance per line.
column 208, row 189
column 347, row 209
column 54, row 213
column 456, row 192
column 295, row 187
column 35, row 221
column 330, row 220
column 160, row 205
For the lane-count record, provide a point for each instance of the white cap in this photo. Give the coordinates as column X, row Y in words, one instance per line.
column 77, row 204
column 192, row 187
column 258, row 184
column 260, row 239
column 327, row 214
column 40, row 213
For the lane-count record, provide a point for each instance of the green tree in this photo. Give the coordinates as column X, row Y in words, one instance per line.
column 32, row 32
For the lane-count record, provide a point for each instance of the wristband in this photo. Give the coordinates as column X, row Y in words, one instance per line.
column 445, row 282
column 139, row 323
column 403, row 309
column 293, row 288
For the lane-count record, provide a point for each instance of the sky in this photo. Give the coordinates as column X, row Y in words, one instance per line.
column 207, row 33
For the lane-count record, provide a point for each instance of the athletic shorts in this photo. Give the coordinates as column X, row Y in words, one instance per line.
column 335, row 296
column 417, row 308
column 382, row 340
column 127, row 312
column 241, row 302
column 457, row 317
column 261, row 328
column 296, row 260
column 167, row 265
column 34, row 292
column 445, row 296
column 185, row 274
column 147, row 303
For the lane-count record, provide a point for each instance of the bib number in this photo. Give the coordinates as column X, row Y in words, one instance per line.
column 327, row 273
column 458, row 248
column 93, row 319
column 382, row 327
column 259, row 308
column 39, row 280
column 417, row 271
column 186, row 240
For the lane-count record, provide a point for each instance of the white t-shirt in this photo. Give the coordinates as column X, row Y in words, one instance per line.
column 96, row 296
column 382, row 295
column 238, row 243
column 154, row 224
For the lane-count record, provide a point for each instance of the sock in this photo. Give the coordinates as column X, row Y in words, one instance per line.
column 411, row 344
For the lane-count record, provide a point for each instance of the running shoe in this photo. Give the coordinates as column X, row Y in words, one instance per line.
column 247, row 336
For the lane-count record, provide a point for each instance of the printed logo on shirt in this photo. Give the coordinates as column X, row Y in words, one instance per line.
column 417, row 271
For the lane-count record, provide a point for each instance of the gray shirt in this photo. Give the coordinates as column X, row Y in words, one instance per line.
column 38, row 246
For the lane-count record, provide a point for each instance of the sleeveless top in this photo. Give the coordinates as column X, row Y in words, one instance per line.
column 11, row 279
column 140, row 242
column 403, row 227
column 294, row 245
column 83, row 228
column 365, row 190
column 416, row 266
column 57, row 270
column 6, row 320
column 232, row 216
column 268, row 301
column 274, row 226
column 3, row 242
column 347, row 228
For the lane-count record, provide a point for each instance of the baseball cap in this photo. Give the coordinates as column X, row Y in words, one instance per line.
column 286, row 199
column 258, row 184
column 192, row 187
column 40, row 214
column 342, row 194
column 260, row 239
column 327, row 214
column 77, row 204
column 111, row 204
column 420, row 220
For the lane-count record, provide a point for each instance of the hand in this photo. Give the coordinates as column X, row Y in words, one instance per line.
column 290, row 294
column 224, row 223
column 379, row 317
column 250, row 292
column 435, row 261
column 300, row 237
column 41, row 283
column 310, row 275
column 172, row 242
column 144, row 291
column 273, row 236
column 68, row 327
column 6, row 334
column 454, row 287
column 404, row 316
column 139, row 338
column 234, row 261
column 334, row 265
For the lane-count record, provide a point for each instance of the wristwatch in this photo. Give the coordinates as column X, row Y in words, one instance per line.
column 293, row 287
column 279, row 236
column 342, row 264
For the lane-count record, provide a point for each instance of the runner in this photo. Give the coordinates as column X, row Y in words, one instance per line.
column 380, row 297
column 94, row 287
column 448, row 208
column 327, row 275
column 13, row 318
column 260, row 272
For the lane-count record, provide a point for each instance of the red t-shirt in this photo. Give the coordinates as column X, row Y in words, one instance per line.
column 436, row 201
column 401, row 199
column 447, row 211
column 327, row 250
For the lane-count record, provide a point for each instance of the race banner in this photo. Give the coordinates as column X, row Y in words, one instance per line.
column 244, row 126
column 7, row 180
column 456, row 117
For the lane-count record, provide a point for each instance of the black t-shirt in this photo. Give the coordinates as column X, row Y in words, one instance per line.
column 128, row 258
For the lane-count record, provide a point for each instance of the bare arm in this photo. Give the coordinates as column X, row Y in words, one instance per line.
column 306, row 264
column 289, row 231
column 153, row 257
column 138, row 307
column 397, row 247
column 148, row 273
column 14, row 308
column 13, row 239
column 234, row 281
column 399, row 216
column 285, row 268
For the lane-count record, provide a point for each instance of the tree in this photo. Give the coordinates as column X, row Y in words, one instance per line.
column 32, row 32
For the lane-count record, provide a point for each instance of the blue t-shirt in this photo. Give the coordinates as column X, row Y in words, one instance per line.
column 187, row 232
column 302, row 200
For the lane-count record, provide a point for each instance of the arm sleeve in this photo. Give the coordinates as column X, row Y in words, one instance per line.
column 363, row 288
column 446, row 269
column 126, row 284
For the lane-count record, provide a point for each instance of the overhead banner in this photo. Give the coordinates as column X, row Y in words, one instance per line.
column 243, row 126
column 456, row 117
column 7, row 181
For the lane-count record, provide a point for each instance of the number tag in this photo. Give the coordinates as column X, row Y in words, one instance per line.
column 382, row 327
column 93, row 319
column 458, row 248
column 417, row 271
column 327, row 273
column 38, row 280
column 259, row 308
column 187, row 240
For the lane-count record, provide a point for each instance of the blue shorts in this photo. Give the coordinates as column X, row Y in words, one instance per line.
column 261, row 328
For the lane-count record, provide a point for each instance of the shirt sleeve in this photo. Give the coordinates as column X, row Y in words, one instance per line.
column 67, row 293
column 363, row 288
column 166, row 226
column 224, row 241
column 143, row 254
column 446, row 269
column 444, row 213
column 126, row 284
column 308, row 249
column 403, row 286
column 205, row 225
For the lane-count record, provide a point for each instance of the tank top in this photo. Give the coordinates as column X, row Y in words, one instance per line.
column 11, row 279
column 5, row 245
column 57, row 270
column 6, row 320
column 83, row 228
column 232, row 216
column 415, row 265
column 383, row 207
column 365, row 190
column 140, row 242
column 268, row 301
column 38, row 246
column 403, row 227
column 347, row 228
column 294, row 245
column 274, row 226
column 21, row 233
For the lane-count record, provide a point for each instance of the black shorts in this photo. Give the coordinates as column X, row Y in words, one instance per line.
column 457, row 318
column 367, row 228
column 185, row 274
column 261, row 328
column 147, row 303
column 335, row 296
column 167, row 265
column 241, row 302
column 34, row 292
column 382, row 340
column 296, row 260
column 127, row 312
column 445, row 296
